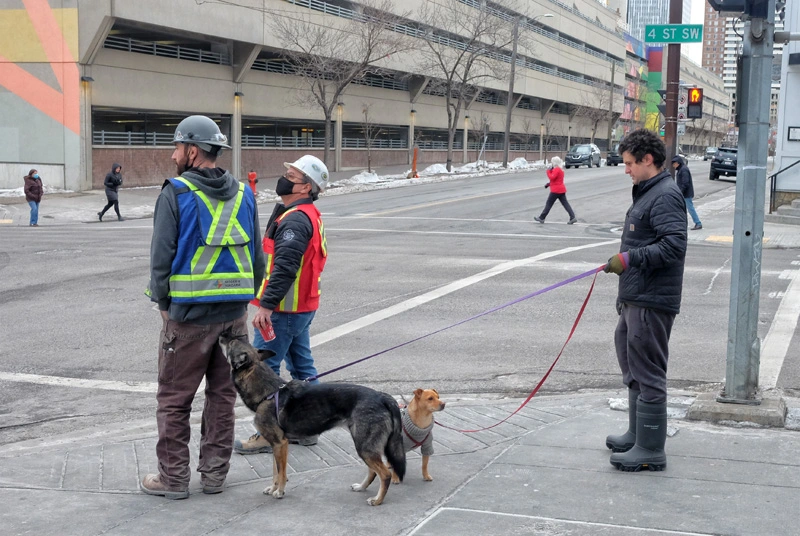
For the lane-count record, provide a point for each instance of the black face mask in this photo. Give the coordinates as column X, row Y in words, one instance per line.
column 284, row 186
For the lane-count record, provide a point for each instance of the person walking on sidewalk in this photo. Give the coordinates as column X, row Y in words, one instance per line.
column 205, row 266
column 112, row 183
column 650, row 268
column 33, row 195
column 555, row 174
column 296, row 249
column 684, row 179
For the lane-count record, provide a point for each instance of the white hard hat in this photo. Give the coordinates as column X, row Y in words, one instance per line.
column 313, row 168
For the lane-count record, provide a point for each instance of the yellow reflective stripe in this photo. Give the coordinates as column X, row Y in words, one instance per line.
column 195, row 293
column 323, row 238
column 210, row 277
column 233, row 220
column 215, row 216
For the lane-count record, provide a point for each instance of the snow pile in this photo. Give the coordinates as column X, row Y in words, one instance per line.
column 364, row 177
column 20, row 192
column 435, row 169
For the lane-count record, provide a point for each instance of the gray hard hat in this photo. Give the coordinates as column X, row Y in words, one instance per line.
column 201, row 131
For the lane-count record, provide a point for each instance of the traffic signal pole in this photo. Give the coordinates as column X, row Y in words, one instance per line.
column 673, row 87
column 744, row 346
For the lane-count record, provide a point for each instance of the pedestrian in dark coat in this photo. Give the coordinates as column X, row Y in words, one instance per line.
column 112, row 183
column 684, row 179
column 555, row 176
column 33, row 195
column 650, row 268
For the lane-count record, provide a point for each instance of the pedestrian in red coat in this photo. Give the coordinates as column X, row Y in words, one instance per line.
column 555, row 174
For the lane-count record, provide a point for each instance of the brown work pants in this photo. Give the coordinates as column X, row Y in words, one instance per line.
column 188, row 352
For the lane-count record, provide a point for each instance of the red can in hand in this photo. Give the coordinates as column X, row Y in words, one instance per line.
column 268, row 334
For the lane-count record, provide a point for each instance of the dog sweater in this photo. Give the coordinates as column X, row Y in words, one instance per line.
column 413, row 435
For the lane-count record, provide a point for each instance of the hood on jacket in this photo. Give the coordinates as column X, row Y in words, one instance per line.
column 114, row 168
column 214, row 182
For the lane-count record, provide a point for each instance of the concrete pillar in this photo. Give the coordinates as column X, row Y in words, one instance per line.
column 337, row 141
column 85, row 167
column 465, row 138
column 411, row 123
column 236, row 134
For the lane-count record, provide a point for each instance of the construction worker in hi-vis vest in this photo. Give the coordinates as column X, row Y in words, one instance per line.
column 296, row 251
column 205, row 266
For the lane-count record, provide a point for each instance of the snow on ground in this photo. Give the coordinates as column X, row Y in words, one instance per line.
column 434, row 173
column 20, row 192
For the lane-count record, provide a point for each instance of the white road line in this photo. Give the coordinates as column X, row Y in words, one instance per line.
column 416, row 301
column 105, row 385
column 451, row 233
column 779, row 337
column 554, row 520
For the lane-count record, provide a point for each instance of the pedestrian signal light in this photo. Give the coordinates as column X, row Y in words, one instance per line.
column 694, row 108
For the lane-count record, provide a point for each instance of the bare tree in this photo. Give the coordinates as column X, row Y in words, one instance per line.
column 479, row 129
column 594, row 107
column 528, row 134
column 327, row 58
column 464, row 56
column 552, row 130
column 370, row 132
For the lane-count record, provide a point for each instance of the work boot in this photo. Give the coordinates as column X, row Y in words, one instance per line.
column 306, row 441
column 152, row 485
column 255, row 445
column 211, row 488
column 651, row 434
column 626, row 441
column 537, row 218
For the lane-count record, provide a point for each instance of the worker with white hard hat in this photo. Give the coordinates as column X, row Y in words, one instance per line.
column 296, row 251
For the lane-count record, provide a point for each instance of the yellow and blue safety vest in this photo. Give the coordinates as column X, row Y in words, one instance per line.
column 214, row 259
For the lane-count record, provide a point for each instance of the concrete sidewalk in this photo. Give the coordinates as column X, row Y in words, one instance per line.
column 545, row 472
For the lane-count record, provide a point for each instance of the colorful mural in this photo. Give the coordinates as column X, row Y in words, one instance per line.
column 37, row 35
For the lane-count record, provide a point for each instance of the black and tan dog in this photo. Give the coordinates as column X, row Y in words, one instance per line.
column 298, row 409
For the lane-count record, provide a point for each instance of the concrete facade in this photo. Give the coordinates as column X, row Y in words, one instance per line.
column 77, row 66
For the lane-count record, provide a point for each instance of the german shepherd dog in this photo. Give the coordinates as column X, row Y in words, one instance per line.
column 298, row 409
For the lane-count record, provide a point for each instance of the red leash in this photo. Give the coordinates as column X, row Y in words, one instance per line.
column 541, row 382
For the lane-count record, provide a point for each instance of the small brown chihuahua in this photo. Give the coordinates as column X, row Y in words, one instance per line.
column 418, row 426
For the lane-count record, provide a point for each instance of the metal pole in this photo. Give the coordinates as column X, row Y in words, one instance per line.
column 610, row 107
column 744, row 346
column 713, row 136
column 510, row 104
column 673, row 83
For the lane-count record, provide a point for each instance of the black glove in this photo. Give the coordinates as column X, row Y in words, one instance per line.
column 547, row 185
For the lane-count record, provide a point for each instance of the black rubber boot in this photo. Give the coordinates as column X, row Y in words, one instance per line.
column 651, row 434
column 626, row 441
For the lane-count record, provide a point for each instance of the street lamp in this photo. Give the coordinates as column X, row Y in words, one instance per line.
column 510, row 103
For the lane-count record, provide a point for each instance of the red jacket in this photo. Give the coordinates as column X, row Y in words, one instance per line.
column 556, row 176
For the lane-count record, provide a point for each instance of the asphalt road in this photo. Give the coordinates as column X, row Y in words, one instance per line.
column 403, row 263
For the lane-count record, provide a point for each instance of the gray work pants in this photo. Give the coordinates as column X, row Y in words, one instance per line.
column 642, row 343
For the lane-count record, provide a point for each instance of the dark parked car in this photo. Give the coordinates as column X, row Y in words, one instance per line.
column 724, row 163
column 613, row 158
column 585, row 154
column 709, row 154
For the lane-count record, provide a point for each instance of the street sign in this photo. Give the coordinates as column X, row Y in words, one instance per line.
column 681, row 129
column 682, row 98
column 681, row 116
column 673, row 33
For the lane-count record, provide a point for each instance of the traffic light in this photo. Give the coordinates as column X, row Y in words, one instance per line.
column 662, row 105
column 694, row 108
column 728, row 6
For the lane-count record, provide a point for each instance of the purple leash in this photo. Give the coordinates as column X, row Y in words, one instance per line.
column 492, row 310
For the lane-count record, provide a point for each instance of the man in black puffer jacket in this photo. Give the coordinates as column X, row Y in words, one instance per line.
column 650, row 268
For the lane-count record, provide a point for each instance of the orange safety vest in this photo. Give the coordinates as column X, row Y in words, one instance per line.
column 303, row 295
